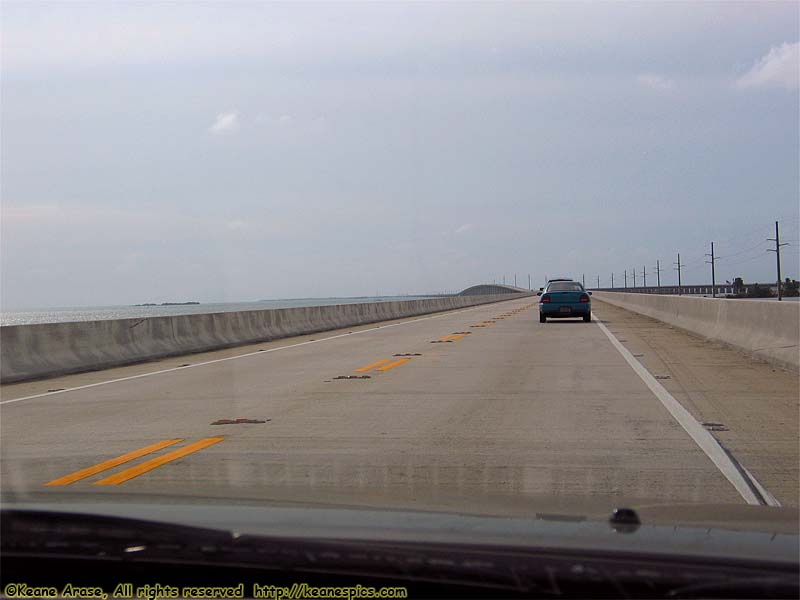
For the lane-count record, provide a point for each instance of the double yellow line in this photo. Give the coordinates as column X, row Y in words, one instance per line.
column 139, row 469
column 453, row 337
column 382, row 365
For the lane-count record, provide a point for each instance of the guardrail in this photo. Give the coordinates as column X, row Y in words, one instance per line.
column 768, row 331
column 46, row 350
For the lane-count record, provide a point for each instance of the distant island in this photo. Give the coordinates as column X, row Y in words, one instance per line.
column 167, row 304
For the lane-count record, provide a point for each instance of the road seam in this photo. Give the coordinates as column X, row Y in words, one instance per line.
column 751, row 490
column 238, row 356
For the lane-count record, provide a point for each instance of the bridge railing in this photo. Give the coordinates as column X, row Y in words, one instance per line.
column 705, row 289
column 689, row 290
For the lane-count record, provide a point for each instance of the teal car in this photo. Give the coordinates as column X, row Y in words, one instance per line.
column 564, row 298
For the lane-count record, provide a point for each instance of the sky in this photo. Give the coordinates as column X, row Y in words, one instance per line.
column 154, row 152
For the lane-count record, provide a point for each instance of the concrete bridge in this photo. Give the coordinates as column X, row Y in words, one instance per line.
column 420, row 404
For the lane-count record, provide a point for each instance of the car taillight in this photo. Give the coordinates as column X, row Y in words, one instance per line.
column 545, row 299
column 584, row 298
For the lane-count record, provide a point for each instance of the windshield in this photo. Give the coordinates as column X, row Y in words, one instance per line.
column 288, row 254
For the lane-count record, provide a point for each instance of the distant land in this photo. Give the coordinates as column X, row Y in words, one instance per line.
column 167, row 304
column 378, row 297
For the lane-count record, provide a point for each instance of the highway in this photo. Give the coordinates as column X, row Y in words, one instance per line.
column 460, row 410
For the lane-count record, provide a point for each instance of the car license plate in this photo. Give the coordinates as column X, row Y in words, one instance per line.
column 565, row 309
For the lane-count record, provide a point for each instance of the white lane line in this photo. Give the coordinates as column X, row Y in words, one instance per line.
column 256, row 353
column 768, row 498
column 696, row 431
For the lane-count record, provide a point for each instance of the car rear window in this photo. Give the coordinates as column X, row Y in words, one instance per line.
column 565, row 286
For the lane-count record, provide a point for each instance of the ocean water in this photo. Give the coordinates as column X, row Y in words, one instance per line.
column 99, row 313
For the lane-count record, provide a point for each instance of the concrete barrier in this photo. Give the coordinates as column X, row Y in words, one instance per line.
column 45, row 350
column 767, row 330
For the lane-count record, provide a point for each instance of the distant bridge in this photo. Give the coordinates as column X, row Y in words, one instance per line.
column 486, row 289
column 689, row 290
column 722, row 289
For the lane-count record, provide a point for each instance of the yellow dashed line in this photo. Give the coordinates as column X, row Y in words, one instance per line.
column 370, row 367
column 394, row 364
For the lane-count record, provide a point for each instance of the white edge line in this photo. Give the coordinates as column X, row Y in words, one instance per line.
column 768, row 498
column 257, row 352
column 696, row 431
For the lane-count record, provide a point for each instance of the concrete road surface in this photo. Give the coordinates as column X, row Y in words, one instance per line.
column 477, row 410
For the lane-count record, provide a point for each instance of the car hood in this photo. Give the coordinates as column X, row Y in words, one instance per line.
column 778, row 543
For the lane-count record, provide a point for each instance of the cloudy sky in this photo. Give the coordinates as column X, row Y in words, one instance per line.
column 232, row 152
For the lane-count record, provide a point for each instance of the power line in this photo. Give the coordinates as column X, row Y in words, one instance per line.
column 759, row 246
column 746, row 259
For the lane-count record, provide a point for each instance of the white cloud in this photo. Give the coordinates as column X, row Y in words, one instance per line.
column 464, row 228
column 656, row 82
column 227, row 122
column 778, row 67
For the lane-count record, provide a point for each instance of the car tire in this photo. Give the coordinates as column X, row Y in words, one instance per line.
column 587, row 318
column 542, row 318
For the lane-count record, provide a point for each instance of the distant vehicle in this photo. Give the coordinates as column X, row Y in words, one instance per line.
column 564, row 298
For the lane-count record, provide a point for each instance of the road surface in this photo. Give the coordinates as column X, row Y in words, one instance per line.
column 465, row 410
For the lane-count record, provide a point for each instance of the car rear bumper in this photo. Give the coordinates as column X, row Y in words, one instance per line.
column 575, row 310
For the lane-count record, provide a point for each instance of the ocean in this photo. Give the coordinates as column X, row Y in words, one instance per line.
column 99, row 313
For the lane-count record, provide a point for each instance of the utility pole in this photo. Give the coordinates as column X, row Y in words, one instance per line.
column 583, row 280
column 529, row 282
column 658, row 273
column 598, row 282
column 612, row 281
column 634, row 277
column 712, row 262
column 515, row 280
column 625, row 273
column 644, row 275
column 777, row 252
column 678, row 268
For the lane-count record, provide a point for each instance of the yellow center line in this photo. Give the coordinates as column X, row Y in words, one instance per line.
column 458, row 337
column 158, row 461
column 445, row 338
column 110, row 464
column 372, row 366
column 394, row 364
